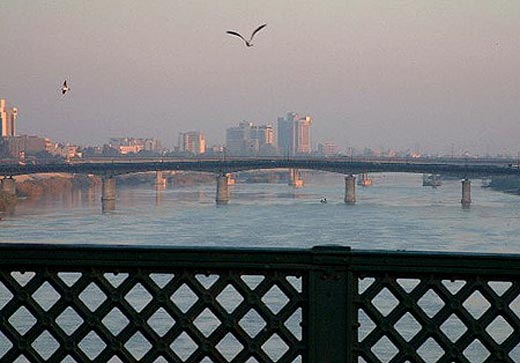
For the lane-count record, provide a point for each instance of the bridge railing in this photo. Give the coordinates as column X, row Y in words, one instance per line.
column 326, row 304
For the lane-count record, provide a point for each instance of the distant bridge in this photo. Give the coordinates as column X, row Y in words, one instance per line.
column 107, row 170
column 457, row 169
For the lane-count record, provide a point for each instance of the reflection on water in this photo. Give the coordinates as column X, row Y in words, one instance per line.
column 395, row 213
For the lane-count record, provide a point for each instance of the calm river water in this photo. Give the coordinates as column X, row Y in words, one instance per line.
column 397, row 212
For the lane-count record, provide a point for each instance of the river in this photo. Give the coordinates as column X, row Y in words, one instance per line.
column 397, row 212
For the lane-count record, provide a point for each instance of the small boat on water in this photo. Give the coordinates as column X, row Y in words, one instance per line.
column 364, row 180
column 486, row 183
column 431, row 180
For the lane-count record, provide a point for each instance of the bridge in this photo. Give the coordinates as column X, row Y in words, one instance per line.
column 458, row 169
column 221, row 168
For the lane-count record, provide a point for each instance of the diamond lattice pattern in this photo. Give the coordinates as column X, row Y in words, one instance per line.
column 438, row 320
column 150, row 316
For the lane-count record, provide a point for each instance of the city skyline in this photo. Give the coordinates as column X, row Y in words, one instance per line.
column 389, row 75
column 292, row 137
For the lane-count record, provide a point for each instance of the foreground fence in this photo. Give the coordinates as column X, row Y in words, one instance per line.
column 326, row 304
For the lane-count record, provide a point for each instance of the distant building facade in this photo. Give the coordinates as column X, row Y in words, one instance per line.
column 66, row 151
column 26, row 145
column 294, row 134
column 328, row 149
column 8, row 118
column 128, row 145
column 249, row 139
column 303, row 135
column 193, row 142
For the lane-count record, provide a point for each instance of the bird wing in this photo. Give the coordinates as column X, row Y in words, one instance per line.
column 65, row 84
column 257, row 30
column 236, row 34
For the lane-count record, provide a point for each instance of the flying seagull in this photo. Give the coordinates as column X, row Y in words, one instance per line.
column 248, row 42
column 64, row 88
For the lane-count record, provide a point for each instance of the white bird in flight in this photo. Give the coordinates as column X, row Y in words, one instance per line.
column 64, row 88
column 248, row 42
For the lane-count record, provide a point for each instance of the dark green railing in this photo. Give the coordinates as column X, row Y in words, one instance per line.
column 326, row 304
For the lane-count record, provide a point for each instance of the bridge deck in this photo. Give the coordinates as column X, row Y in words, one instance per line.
column 473, row 169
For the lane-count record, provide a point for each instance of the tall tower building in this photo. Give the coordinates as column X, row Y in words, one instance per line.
column 294, row 134
column 303, row 135
column 286, row 134
column 193, row 142
column 8, row 118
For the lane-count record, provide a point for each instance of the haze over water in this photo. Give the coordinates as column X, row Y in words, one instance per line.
column 396, row 213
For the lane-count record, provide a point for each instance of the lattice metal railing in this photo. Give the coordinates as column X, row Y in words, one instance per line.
column 149, row 314
column 432, row 319
column 456, row 313
column 329, row 304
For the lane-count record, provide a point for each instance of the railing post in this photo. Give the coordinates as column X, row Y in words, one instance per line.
column 331, row 309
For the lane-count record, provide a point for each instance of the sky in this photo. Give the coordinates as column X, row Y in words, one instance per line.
column 423, row 75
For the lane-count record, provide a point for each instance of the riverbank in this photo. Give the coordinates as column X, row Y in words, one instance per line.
column 37, row 185
column 506, row 184
column 32, row 186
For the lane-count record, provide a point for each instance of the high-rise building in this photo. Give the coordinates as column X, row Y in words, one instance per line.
column 294, row 134
column 193, row 142
column 303, row 135
column 249, row 139
column 286, row 134
column 8, row 118
column 236, row 138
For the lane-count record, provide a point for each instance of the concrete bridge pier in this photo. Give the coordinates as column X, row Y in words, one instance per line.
column 8, row 185
column 222, row 189
column 172, row 173
column 160, row 179
column 350, row 189
column 231, row 179
column 108, row 193
column 295, row 179
column 466, row 193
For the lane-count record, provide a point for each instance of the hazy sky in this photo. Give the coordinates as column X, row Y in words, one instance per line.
column 384, row 74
